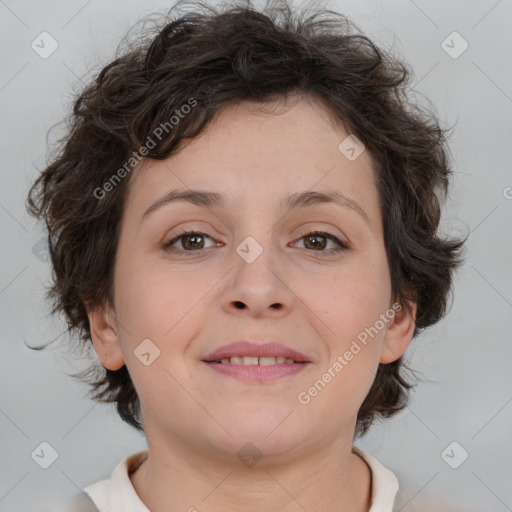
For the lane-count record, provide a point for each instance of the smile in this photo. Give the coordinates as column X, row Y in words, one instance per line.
column 256, row 369
column 256, row 362
column 252, row 360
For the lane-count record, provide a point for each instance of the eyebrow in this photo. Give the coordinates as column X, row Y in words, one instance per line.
column 294, row 201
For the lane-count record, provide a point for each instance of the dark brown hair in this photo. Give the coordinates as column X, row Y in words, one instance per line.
column 214, row 57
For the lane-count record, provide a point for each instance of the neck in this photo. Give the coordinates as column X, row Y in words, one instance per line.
column 331, row 478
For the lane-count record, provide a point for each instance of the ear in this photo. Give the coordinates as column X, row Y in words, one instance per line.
column 104, row 337
column 399, row 333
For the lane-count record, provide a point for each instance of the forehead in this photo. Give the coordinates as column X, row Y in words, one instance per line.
column 260, row 153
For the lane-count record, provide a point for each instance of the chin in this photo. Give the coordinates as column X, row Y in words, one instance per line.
column 265, row 431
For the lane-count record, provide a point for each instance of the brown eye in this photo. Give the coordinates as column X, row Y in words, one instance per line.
column 315, row 241
column 190, row 241
column 194, row 241
column 318, row 240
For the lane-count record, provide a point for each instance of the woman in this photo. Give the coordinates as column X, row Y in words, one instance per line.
column 242, row 220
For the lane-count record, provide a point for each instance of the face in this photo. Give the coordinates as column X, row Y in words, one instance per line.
column 252, row 270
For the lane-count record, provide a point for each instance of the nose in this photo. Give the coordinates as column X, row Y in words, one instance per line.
column 257, row 288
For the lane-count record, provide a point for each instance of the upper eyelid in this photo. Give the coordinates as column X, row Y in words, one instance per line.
column 303, row 233
column 169, row 241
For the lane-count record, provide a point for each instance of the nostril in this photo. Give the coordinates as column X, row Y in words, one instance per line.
column 239, row 305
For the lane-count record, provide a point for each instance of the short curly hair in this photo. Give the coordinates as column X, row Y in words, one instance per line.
column 217, row 57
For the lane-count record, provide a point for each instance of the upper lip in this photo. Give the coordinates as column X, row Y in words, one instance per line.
column 251, row 349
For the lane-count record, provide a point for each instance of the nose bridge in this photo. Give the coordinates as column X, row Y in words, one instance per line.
column 255, row 237
column 256, row 258
column 256, row 283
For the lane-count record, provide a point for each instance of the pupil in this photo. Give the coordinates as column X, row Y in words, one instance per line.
column 193, row 238
column 316, row 237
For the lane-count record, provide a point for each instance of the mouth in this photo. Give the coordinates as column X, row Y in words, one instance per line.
column 255, row 371
column 256, row 362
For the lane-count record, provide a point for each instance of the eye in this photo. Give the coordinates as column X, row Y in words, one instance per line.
column 190, row 241
column 194, row 241
column 318, row 240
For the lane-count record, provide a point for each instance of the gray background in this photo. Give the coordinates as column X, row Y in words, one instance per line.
column 464, row 361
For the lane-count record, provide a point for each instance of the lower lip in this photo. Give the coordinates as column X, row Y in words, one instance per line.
column 256, row 372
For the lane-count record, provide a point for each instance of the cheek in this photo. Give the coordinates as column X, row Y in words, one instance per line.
column 151, row 301
column 153, row 307
column 164, row 307
column 352, row 296
column 351, row 303
column 140, row 307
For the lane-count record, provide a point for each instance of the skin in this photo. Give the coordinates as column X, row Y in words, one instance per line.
column 195, row 419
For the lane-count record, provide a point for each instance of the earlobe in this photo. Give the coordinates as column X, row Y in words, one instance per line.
column 399, row 334
column 104, row 337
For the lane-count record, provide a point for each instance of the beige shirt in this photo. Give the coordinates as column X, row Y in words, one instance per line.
column 118, row 494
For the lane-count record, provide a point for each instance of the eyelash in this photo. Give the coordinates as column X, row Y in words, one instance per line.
column 342, row 246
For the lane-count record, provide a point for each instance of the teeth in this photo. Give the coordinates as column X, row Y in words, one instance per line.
column 252, row 360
